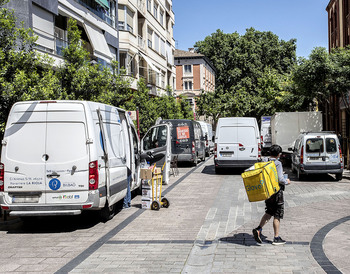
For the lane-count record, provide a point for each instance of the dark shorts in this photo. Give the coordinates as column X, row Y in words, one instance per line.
column 275, row 205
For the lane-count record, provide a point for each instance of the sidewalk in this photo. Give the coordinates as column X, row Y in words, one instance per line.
column 207, row 229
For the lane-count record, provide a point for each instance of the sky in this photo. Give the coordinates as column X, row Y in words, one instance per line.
column 304, row 20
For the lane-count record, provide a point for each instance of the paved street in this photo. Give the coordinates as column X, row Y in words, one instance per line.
column 206, row 229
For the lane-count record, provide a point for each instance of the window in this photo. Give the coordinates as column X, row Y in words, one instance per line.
column 155, row 138
column 331, row 145
column 314, row 145
column 162, row 47
column 188, row 69
column 149, row 5
column 156, row 42
column 161, row 17
column 149, row 38
column 188, row 85
column 130, row 20
column 155, row 10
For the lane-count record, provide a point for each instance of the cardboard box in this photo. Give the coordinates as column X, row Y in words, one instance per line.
column 146, row 203
column 157, row 170
column 146, row 173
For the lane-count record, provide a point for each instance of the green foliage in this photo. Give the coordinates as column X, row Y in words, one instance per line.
column 27, row 75
column 251, row 70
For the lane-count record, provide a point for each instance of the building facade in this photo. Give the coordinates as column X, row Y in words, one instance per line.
column 194, row 74
column 336, row 117
column 96, row 19
column 146, row 42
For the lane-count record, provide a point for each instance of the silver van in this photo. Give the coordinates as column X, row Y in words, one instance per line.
column 317, row 153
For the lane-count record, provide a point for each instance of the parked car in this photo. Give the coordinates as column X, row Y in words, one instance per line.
column 317, row 153
column 208, row 136
column 237, row 143
column 187, row 140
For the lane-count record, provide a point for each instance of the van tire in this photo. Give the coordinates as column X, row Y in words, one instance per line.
column 339, row 176
column 299, row 175
column 107, row 213
column 217, row 170
column 195, row 161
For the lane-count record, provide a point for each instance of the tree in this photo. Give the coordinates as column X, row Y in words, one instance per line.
column 242, row 63
column 24, row 75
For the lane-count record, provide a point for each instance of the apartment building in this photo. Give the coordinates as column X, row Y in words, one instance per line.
column 146, row 42
column 96, row 20
column 194, row 74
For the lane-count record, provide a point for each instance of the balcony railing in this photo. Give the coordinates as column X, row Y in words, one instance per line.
column 101, row 12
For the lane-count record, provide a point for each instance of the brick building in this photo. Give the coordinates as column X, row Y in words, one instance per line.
column 336, row 117
column 194, row 74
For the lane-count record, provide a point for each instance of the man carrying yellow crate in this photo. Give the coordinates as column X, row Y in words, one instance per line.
column 274, row 204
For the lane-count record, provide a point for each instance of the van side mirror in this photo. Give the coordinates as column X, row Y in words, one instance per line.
column 290, row 149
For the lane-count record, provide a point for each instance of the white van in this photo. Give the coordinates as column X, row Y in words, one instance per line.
column 317, row 153
column 62, row 157
column 237, row 142
column 208, row 135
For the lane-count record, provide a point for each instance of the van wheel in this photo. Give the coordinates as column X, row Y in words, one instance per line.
column 107, row 213
column 195, row 162
column 339, row 176
column 299, row 175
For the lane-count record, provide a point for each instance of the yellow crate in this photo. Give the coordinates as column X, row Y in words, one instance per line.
column 261, row 182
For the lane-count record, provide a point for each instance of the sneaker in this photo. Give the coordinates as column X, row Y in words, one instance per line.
column 256, row 234
column 278, row 241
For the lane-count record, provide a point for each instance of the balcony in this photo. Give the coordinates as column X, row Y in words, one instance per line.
column 98, row 11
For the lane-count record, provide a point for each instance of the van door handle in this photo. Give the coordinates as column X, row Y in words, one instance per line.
column 53, row 175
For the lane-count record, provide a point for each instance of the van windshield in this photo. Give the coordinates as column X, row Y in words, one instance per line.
column 314, row 145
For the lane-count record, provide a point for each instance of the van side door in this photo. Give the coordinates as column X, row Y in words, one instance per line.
column 155, row 148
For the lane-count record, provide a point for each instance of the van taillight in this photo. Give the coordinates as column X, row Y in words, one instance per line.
column 193, row 147
column 93, row 175
column 215, row 150
column 302, row 155
column 262, row 138
column 259, row 150
column 2, row 175
column 341, row 155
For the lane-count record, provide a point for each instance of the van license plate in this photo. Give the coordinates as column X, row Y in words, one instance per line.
column 226, row 154
column 25, row 199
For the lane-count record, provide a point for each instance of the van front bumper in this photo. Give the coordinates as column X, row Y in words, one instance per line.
column 30, row 209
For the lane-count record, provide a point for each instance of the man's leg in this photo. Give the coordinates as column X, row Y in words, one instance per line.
column 276, row 226
column 257, row 231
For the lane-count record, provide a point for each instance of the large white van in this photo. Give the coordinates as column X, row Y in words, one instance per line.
column 208, row 135
column 62, row 157
column 237, row 142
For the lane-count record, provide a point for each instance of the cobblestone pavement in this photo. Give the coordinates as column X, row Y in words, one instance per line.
column 206, row 229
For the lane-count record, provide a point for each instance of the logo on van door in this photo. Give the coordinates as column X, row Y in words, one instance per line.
column 54, row 184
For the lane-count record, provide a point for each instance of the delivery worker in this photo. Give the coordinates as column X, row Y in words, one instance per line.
column 275, row 204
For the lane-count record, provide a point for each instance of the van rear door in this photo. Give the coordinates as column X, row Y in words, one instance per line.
column 67, row 163
column 247, row 141
column 24, row 154
column 227, row 146
column 155, row 148
column 314, row 153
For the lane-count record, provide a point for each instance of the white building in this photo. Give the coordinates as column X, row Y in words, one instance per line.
column 146, row 42
column 96, row 20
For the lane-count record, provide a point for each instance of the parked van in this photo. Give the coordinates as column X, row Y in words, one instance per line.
column 237, row 143
column 187, row 140
column 62, row 157
column 265, row 133
column 317, row 153
column 208, row 136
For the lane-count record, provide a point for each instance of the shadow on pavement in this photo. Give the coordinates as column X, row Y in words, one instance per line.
column 210, row 170
column 241, row 239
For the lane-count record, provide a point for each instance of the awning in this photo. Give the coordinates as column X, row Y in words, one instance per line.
column 103, row 3
column 98, row 42
column 149, row 62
